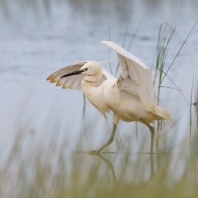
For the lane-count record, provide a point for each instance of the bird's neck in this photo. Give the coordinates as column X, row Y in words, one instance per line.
column 89, row 83
column 94, row 77
column 90, row 80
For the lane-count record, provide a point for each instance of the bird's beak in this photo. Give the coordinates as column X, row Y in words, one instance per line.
column 73, row 73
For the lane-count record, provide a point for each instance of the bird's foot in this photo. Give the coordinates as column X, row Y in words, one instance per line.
column 94, row 152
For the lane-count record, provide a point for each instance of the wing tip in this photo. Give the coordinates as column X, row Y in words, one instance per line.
column 50, row 77
column 106, row 44
column 123, row 52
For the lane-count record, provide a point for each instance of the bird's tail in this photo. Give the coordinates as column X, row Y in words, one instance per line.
column 162, row 113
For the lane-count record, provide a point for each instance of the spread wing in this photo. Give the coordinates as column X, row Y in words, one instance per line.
column 73, row 82
column 134, row 76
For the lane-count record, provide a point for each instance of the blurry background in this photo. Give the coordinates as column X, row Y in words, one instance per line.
column 41, row 123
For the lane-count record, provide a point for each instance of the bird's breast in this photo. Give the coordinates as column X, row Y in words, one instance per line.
column 95, row 96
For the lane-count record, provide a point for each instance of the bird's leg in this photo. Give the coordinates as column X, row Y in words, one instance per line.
column 152, row 135
column 96, row 152
column 110, row 139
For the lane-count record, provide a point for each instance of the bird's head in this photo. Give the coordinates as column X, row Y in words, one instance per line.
column 91, row 68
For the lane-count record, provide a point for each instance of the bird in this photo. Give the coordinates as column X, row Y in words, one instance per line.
column 130, row 96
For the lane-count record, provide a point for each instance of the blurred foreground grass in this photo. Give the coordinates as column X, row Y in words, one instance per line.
column 56, row 173
column 40, row 171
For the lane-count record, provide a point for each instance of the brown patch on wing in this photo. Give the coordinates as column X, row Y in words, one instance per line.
column 60, row 82
column 64, row 86
column 54, row 80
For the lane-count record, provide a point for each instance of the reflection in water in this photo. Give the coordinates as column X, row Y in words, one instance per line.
column 111, row 167
column 151, row 165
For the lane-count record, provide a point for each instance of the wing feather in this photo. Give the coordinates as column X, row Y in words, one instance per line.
column 73, row 82
column 134, row 76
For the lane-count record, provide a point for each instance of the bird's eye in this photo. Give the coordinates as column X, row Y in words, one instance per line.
column 85, row 69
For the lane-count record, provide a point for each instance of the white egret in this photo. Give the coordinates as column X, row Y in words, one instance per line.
column 131, row 96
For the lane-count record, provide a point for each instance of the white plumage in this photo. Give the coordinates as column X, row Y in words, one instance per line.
column 130, row 96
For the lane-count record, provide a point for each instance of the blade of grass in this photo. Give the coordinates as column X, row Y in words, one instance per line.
column 179, row 50
column 130, row 43
column 134, row 35
column 83, row 118
column 164, row 37
column 176, row 87
column 126, row 31
column 109, row 51
column 191, row 113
